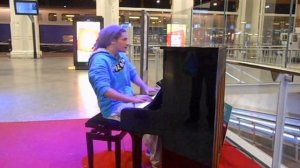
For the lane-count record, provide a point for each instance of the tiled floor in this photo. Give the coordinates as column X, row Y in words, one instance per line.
column 44, row 89
column 47, row 88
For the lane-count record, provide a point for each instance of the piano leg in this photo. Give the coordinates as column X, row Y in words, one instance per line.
column 136, row 150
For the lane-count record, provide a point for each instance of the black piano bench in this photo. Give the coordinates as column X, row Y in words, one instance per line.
column 102, row 130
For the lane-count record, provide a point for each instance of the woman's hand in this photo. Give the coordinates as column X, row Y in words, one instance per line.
column 141, row 99
column 147, row 90
column 151, row 90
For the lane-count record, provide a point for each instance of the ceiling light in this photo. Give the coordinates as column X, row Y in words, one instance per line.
column 154, row 18
column 134, row 17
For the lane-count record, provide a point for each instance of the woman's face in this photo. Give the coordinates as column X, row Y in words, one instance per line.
column 122, row 42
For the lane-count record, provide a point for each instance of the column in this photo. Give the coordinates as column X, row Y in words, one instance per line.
column 180, row 5
column 253, row 20
column 241, row 22
column 109, row 10
column 181, row 14
column 22, row 35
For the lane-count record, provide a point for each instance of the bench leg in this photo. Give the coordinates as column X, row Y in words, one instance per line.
column 118, row 154
column 90, row 149
column 108, row 142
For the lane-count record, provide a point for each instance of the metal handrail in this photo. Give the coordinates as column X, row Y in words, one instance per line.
column 264, row 125
column 265, row 67
column 262, row 48
column 288, row 142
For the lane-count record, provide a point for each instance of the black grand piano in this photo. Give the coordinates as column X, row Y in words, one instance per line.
column 188, row 113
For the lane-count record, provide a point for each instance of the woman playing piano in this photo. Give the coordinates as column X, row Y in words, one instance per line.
column 111, row 74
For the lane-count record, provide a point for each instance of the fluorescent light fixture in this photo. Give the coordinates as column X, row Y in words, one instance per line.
column 134, row 17
column 197, row 25
column 154, row 18
column 200, row 11
column 267, row 6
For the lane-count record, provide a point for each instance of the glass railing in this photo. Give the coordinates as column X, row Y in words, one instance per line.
column 267, row 55
column 260, row 100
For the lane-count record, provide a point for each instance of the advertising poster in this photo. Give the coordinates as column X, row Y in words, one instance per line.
column 87, row 33
column 176, row 34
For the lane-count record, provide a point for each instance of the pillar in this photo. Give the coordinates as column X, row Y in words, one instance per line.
column 109, row 10
column 250, row 20
column 181, row 13
column 22, row 35
column 240, row 23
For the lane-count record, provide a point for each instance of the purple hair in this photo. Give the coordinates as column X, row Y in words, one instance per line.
column 107, row 35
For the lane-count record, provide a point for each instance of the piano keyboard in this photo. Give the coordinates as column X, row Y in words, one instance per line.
column 144, row 104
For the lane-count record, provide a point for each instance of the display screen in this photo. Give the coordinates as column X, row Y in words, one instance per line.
column 26, row 8
column 87, row 33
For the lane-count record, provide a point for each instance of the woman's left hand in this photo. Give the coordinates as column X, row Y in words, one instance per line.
column 151, row 90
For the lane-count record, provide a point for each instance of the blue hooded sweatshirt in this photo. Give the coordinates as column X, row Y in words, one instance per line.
column 107, row 71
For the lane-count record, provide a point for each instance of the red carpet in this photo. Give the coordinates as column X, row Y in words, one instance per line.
column 107, row 159
column 61, row 144
column 231, row 157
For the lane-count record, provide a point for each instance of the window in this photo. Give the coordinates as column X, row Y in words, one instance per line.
column 52, row 17
column 68, row 17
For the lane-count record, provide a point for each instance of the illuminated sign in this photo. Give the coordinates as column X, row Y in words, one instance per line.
column 87, row 29
column 176, row 34
column 87, row 33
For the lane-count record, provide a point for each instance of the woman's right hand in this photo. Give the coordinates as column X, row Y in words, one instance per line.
column 141, row 99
